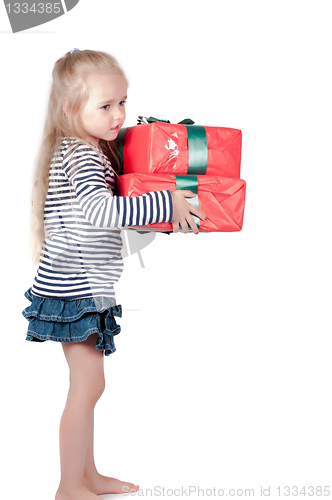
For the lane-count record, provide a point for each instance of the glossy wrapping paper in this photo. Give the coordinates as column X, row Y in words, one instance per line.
column 222, row 199
column 163, row 148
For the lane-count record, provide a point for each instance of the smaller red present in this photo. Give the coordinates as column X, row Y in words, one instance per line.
column 221, row 199
column 184, row 148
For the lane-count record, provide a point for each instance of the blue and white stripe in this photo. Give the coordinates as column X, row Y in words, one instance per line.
column 81, row 255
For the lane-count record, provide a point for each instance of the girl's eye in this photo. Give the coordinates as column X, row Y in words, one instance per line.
column 107, row 106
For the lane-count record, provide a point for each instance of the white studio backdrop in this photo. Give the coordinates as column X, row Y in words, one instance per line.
column 222, row 375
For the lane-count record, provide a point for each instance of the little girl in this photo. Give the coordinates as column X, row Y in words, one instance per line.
column 76, row 226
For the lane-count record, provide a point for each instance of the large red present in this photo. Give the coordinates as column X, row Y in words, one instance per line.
column 161, row 147
column 221, row 199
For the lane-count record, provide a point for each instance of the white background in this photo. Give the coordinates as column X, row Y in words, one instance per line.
column 222, row 375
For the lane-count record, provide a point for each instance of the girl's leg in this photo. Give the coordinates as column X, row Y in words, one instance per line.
column 87, row 383
column 97, row 483
column 86, row 386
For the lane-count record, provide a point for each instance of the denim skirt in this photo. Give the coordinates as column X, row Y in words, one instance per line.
column 72, row 320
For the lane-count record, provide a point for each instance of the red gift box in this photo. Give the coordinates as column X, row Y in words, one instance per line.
column 221, row 199
column 160, row 147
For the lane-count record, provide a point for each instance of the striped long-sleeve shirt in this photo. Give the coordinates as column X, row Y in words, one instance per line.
column 81, row 254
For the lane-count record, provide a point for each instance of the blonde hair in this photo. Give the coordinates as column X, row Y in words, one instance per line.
column 69, row 74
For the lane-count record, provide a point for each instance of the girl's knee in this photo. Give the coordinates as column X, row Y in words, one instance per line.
column 86, row 364
column 88, row 390
column 95, row 390
column 99, row 387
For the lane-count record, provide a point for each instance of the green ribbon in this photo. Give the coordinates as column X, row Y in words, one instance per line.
column 189, row 182
column 119, row 141
column 197, row 150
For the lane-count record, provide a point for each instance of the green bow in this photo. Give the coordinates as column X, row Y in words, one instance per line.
column 142, row 119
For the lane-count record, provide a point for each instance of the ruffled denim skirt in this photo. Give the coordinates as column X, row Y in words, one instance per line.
column 72, row 320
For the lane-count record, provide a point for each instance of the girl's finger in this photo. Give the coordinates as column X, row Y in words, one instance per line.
column 175, row 227
column 197, row 212
column 184, row 226
column 200, row 215
column 192, row 224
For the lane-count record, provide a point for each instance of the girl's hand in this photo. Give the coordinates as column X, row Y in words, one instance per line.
column 182, row 210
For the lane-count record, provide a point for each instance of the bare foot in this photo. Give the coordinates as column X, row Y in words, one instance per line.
column 101, row 485
column 75, row 494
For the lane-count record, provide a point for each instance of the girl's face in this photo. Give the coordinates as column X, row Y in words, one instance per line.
column 104, row 114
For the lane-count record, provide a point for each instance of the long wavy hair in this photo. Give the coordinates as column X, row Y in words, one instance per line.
column 69, row 82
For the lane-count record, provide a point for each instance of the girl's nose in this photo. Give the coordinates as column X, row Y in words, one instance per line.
column 118, row 112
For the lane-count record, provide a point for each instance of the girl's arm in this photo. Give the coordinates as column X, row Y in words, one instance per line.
column 85, row 172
